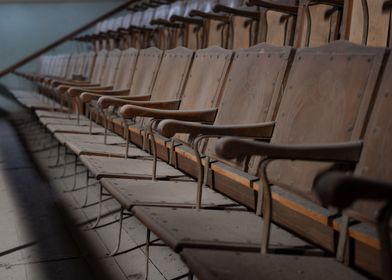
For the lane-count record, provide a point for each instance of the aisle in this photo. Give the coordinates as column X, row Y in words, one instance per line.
column 34, row 242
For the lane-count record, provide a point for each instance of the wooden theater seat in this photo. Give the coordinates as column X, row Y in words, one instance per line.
column 201, row 95
column 303, row 105
column 333, row 188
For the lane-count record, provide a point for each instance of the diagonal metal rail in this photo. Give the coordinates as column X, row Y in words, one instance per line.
column 70, row 35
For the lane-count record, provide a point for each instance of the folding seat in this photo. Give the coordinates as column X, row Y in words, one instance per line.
column 363, row 198
column 83, row 68
column 118, row 73
column 105, row 75
column 259, row 97
column 328, row 105
column 135, row 75
column 171, row 77
column 201, row 94
column 56, row 68
column 341, row 191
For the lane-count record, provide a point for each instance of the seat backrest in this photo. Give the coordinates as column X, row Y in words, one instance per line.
column 277, row 27
column 99, row 66
column 327, row 99
column 171, row 77
column 54, row 66
column 318, row 24
column 111, row 66
column 64, row 65
column 172, row 74
column 253, row 88
column 88, row 64
column 126, row 68
column 377, row 150
column 73, row 60
column 146, row 70
column 206, row 79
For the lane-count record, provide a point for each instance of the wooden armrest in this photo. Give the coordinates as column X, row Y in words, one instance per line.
column 96, row 94
column 105, row 102
column 188, row 20
column 197, row 13
column 168, row 128
column 347, row 152
column 273, row 6
column 341, row 190
column 77, row 91
column 238, row 12
column 206, row 115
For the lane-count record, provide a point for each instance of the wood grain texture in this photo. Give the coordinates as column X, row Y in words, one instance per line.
column 329, row 104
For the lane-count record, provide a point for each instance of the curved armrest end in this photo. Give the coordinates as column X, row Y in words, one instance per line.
column 341, row 190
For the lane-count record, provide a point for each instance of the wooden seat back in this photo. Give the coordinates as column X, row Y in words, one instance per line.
column 205, row 81
column 111, row 67
column 377, row 150
column 327, row 99
column 73, row 60
column 126, row 68
column 171, row 77
column 88, row 65
column 206, row 78
column 277, row 27
column 172, row 74
column 99, row 66
column 147, row 66
column 55, row 66
column 65, row 60
column 253, row 88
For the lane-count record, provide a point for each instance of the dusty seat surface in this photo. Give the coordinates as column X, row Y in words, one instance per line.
column 168, row 193
column 127, row 168
column 87, row 138
column 56, row 128
column 214, row 264
column 189, row 227
column 110, row 150
column 82, row 121
column 59, row 115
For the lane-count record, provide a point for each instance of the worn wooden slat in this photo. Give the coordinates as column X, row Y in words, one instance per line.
column 331, row 104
